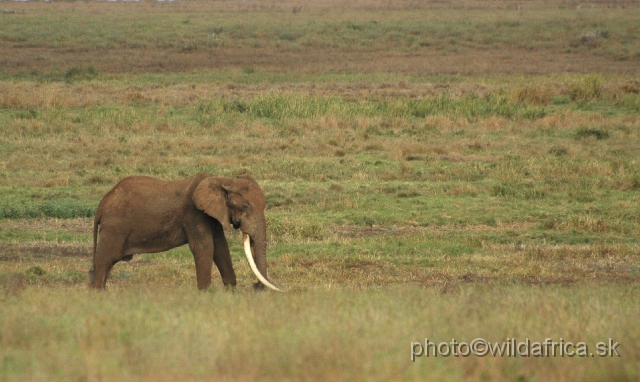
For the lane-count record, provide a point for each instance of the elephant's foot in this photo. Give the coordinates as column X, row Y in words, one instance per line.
column 98, row 277
column 259, row 286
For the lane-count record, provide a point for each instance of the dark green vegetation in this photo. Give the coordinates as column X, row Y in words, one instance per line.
column 404, row 200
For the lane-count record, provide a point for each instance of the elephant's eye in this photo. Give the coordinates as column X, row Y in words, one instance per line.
column 236, row 201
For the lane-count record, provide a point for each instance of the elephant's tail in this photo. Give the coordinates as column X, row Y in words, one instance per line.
column 96, row 224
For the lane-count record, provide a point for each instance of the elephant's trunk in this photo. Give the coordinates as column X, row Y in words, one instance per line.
column 259, row 248
column 259, row 269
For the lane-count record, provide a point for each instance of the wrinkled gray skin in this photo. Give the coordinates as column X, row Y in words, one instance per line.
column 146, row 215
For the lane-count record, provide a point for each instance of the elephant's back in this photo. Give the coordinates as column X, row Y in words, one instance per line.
column 146, row 195
column 137, row 181
column 132, row 194
column 141, row 183
column 133, row 185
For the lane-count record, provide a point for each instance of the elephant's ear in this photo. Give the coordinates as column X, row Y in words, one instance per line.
column 210, row 197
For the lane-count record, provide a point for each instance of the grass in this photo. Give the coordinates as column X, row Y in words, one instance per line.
column 216, row 336
column 436, row 170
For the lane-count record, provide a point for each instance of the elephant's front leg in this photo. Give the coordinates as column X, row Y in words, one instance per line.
column 200, row 238
column 222, row 256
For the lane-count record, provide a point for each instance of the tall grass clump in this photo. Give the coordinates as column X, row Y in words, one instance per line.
column 532, row 94
column 282, row 107
column 470, row 107
column 588, row 88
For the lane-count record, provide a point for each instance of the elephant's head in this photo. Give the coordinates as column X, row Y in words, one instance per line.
column 239, row 202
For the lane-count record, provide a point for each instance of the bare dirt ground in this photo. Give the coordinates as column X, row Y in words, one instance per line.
column 311, row 61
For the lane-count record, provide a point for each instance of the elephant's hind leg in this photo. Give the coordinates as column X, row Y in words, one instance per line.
column 108, row 252
column 99, row 275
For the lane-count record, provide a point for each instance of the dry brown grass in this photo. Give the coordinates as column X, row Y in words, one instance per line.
column 78, row 225
column 167, row 334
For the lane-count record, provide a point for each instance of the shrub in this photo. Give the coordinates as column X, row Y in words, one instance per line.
column 79, row 74
column 587, row 132
column 591, row 38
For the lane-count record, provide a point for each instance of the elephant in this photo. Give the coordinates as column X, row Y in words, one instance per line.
column 141, row 214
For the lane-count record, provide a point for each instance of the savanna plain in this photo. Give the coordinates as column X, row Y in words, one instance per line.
column 432, row 169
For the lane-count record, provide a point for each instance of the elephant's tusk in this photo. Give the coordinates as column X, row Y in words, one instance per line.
column 252, row 264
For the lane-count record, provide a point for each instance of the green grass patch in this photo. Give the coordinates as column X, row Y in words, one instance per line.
column 17, row 207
